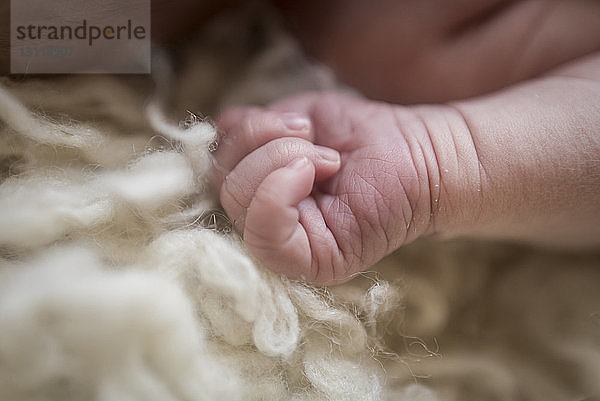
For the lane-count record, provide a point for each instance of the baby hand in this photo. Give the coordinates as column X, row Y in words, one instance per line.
column 323, row 192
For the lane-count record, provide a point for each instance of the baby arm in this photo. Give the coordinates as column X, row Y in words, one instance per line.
column 523, row 163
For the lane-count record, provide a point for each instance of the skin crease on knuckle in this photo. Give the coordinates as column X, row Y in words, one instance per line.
column 286, row 149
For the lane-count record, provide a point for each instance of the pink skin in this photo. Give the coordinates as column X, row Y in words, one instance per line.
column 523, row 167
column 360, row 209
column 521, row 163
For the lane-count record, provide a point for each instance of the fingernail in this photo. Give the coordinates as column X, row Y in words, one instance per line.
column 295, row 122
column 328, row 154
column 298, row 163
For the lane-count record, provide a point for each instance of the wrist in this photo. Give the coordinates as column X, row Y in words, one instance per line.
column 453, row 179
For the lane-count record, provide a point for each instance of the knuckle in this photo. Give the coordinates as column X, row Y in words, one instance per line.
column 259, row 127
column 293, row 148
column 230, row 117
column 249, row 128
column 283, row 150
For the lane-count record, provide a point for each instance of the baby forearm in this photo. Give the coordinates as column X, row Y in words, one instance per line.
column 525, row 162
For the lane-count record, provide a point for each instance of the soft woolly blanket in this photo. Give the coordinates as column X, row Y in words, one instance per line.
column 120, row 277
